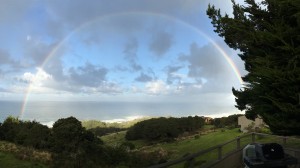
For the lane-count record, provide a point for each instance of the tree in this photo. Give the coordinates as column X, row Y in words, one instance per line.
column 73, row 146
column 268, row 36
column 9, row 129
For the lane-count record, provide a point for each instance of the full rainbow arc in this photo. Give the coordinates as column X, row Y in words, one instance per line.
column 99, row 18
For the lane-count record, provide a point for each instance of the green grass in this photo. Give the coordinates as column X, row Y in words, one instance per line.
column 119, row 138
column 181, row 147
column 192, row 144
column 8, row 160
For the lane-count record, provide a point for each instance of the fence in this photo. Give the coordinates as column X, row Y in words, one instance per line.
column 230, row 153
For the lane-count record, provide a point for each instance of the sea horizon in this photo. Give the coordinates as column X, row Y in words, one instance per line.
column 47, row 112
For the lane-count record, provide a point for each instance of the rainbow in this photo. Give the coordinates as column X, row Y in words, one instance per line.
column 99, row 18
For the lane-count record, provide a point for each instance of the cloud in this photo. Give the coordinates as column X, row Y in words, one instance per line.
column 88, row 75
column 160, row 43
column 7, row 60
column 157, row 88
column 104, row 88
column 5, row 57
column 205, row 62
column 143, row 78
column 36, row 79
column 13, row 10
column 38, row 51
column 171, row 74
column 130, row 53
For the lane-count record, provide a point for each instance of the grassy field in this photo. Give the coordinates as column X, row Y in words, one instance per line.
column 193, row 145
column 15, row 156
column 8, row 160
column 181, row 147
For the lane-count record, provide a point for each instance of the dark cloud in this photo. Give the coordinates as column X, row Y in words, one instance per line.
column 88, row 75
column 130, row 53
column 143, row 78
column 205, row 62
column 208, row 66
column 161, row 42
column 171, row 70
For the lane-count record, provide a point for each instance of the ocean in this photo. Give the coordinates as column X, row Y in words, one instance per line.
column 47, row 112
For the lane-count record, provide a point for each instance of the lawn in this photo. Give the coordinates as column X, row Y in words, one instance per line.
column 178, row 148
column 185, row 146
column 193, row 145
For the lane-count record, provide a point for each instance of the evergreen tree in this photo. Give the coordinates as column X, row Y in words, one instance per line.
column 268, row 36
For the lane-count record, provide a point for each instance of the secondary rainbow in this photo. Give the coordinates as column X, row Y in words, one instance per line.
column 99, row 18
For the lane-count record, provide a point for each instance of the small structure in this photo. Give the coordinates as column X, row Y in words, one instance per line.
column 246, row 123
column 207, row 120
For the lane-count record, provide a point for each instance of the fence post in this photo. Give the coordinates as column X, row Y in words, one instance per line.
column 253, row 137
column 238, row 143
column 220, row 152
column 284, row 140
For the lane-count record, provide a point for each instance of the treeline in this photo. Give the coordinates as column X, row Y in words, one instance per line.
column 71, row 145
column 163, row 128
column 229, row 122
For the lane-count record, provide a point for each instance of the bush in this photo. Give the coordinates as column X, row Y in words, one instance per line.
column 163, row 129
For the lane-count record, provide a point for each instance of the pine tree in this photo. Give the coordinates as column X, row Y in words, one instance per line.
column 268, row 36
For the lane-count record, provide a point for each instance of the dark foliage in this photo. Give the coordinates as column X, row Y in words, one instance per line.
column 27, row 133
column 267, row 34
column 163, row 128
column 230, row 121
column 71, row 145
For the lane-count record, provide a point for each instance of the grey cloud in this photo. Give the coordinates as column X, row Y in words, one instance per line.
column 5, row 58
column 13, row 10
column 55, row 68
column 65, row 16
column 161, row 43
column 171, row 76
column 39, row 51
column 143, row 78
column 88, row 75
column 135, row 66
column 205, row 61
column 120, row 68
column 130, row 49
column 130, row 53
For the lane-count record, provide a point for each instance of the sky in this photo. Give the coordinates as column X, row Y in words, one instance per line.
column 121, row 50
